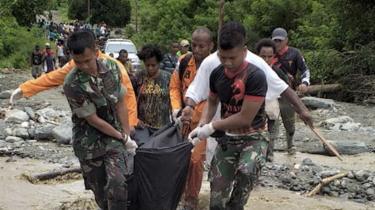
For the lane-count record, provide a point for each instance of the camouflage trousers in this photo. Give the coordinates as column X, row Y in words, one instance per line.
column 235, row 171
column 105, row 176
column 288, row 116
column 36, row 70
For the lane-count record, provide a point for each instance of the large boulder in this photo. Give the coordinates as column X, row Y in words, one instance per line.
column 43, row 132
column 16, row 116
column 21, row 132
column 344, row 147
column 63, row 133
column 318, row 103
column 51, row 114
column 6, row 94
column 344, row 123
column 13, row 139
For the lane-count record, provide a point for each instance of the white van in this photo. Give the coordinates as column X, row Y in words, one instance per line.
column 115, row 45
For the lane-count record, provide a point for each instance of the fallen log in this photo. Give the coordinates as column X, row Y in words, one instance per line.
column 324, row 182
column 314, row 89
column 51, row 174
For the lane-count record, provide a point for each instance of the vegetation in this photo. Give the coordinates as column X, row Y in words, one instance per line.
column 112, row 12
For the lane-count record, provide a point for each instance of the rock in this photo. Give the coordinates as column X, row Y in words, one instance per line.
column 63, row 133
column 8, row 131
column 16, row 116
column 30, row 112
column 366, row 185
column 6, row 94
column 44, row 132
column 2, row 143
column 350, row 126
column 336, row 123
column 318, row 103
column 21, row 132
column 350, row 175
column 370, row 191
column 307, row 162
column 2, row 129
column 333, row 194
column 51, row 114
column 361, row 175
column 350, row 147
column 13, row 139
column 328, row 173
column 326, row 189
column 25, row 124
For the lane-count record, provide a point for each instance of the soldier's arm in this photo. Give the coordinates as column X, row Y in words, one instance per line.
column 46, row 81
column 175, row 91
column 82, row 107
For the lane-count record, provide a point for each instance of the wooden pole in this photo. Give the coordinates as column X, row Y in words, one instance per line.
column 324, row 182
column 326, row 143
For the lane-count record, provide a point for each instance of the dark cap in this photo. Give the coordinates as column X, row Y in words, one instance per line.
column 279, row 33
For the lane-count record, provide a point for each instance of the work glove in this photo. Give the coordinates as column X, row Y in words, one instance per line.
column 16, row 94
column 201, row 133
column 205, row 131
column 174, row 114
column 130, row 145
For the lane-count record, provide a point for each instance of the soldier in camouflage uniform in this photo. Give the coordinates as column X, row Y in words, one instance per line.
column 241, row 88
column 101, row 128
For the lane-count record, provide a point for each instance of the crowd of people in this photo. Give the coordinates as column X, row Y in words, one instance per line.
column 108, row 100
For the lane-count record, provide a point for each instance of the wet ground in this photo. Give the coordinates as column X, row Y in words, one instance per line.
column 18, row 193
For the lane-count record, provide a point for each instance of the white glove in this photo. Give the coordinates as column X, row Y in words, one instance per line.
column 193, row 134
column 174, row 114
column 205, row 131
column 16, row 94
column 131, row 146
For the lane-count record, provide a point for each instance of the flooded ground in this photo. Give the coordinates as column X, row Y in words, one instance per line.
column 18, row 193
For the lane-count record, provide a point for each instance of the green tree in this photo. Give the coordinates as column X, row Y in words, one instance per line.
column 112, row 12
column 25, row 11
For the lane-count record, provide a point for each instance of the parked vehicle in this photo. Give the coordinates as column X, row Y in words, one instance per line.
column 115, row 45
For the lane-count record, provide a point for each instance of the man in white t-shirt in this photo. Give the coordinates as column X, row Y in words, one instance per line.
column 199, row 88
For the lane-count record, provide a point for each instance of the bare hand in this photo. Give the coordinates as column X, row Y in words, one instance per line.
column 307, row 118
column 302, row 88
column 187, row 113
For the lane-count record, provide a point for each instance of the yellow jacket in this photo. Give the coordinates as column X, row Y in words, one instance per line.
column 56, row 78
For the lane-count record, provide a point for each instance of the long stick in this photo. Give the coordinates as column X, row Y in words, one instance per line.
column 324, row 182
column 326, row 143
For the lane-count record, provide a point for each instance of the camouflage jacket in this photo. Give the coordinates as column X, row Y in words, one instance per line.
column 88, row 94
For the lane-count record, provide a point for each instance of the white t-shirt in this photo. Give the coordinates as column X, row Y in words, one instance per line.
column 199, row 89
